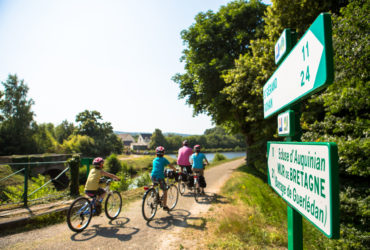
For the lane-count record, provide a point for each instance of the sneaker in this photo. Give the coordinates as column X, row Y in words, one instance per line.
column 166, row 209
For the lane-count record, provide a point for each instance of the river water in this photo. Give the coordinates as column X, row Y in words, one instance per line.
column 210, row 156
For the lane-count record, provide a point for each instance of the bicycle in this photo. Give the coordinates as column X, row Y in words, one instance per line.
column 82, row 209
column 152, row 199
column 197, row 175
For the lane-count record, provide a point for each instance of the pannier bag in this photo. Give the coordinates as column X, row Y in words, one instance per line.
column 169, row 173
column 191, row 182
column 176, row 176
column 202, row 181
column 184, row 177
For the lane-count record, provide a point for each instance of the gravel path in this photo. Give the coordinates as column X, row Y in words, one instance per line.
column 130, row 230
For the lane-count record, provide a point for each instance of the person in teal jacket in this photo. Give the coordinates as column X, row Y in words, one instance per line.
column 197, row 160
column 157, row 175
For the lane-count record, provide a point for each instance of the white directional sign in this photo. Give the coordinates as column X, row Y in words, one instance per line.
column 305, row 174
column 307, row 69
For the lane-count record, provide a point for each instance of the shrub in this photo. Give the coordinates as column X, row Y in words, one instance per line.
column 112, row 164
column 219, row 157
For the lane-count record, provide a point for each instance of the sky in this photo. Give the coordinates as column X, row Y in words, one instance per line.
column 113, row 56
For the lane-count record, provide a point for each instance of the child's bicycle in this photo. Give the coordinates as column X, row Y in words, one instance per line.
column 196, row 189
column 152, row 199
column 82, row 209
column 197, row 186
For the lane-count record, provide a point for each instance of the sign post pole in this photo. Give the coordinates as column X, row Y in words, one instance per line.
column 295, row 230
column 295, row 233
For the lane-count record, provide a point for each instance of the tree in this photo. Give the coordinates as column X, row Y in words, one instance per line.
column 80, row 144
column 213, row 43
column 252, row 70
column 345, row 119
column 63, row 131
column 16, row 116
column 44, row 138
column 105, row 140
column 157, row 139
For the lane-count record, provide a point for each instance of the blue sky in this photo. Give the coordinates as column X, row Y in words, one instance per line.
column 113, row 56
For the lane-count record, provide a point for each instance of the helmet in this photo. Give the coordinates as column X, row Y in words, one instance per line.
column 97, row 161
column 159, row 150
column 197, row 148
column 185, row 143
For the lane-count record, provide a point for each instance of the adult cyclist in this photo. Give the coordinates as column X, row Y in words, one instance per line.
column 183, row 157
column 197, row 162
column 157, row 176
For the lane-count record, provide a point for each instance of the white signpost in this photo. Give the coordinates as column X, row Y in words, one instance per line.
column 307, row 69
column 305, row 174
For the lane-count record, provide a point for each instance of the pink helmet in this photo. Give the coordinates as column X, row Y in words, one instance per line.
column 97, row 161
column 197, row 148
column 159, row 150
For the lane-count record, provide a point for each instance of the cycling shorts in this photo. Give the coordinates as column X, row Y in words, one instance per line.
column 95, row 192
column 158, row 181
column 188, row 168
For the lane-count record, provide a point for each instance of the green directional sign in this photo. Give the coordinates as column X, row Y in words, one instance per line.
column 305, row 174
column 307, row 69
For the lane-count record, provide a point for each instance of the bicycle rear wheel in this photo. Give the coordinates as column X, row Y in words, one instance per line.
column 79, row 214
column 113, row 205
column 149, row 206
column 181, row 186
column 172, row 196
column 196, row 190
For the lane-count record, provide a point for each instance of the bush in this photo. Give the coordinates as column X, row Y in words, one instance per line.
column 82, row 176
column 112, row 164
column 219, row 157
column 123, row 184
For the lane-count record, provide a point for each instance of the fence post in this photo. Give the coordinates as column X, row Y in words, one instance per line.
column 25, row 192
column 74, row 164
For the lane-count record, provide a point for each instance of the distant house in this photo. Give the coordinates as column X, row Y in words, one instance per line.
column 127, row 139
column 142, row 142
column 144, row 138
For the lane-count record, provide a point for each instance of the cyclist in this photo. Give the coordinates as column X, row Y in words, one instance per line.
column 183, row 157
column 92, row 183
column 157, row 175
column 197, row 163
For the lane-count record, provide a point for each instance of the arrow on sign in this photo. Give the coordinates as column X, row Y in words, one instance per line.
column 307, row 69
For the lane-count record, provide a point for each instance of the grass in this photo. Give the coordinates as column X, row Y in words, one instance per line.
column 248, row 214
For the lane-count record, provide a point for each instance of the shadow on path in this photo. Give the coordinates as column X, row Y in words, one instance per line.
column 178, row 218
column 110, row 231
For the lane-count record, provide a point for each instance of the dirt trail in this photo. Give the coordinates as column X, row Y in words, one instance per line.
column 130, row 230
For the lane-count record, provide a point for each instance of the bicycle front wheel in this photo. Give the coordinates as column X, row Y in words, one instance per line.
column 172, row 196
column 79, row 214
column 149, row 206
column 113, row 205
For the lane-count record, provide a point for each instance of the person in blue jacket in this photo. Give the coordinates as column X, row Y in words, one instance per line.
column 197, row 160
column 157, row 175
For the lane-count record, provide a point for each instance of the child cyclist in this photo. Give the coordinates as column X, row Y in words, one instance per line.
column 157, row 174
column 197, row 162
column 92, row 183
